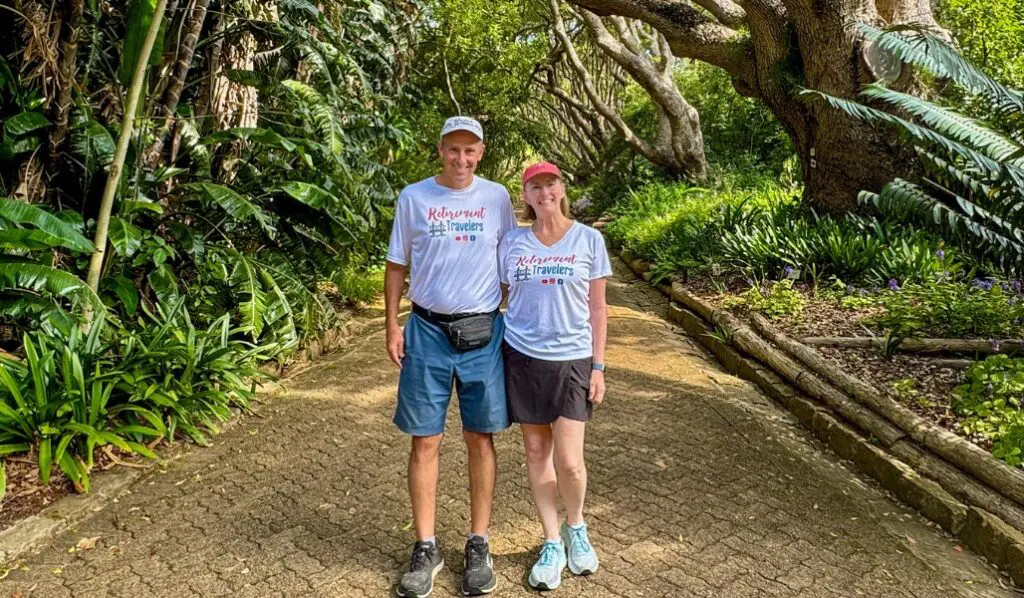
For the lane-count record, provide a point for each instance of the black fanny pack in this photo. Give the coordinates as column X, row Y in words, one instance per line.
column 465, row 332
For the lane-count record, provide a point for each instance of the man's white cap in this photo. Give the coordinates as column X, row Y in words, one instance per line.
column 463, row 123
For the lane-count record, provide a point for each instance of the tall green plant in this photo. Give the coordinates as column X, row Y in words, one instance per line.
column 117, row 164
column 973, row 184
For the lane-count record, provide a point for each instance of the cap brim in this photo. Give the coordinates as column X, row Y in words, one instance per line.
column 466, row 129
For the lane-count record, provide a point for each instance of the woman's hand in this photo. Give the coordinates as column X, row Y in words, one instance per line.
column 596, row 386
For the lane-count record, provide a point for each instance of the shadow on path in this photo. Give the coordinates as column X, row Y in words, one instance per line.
column 699, row 486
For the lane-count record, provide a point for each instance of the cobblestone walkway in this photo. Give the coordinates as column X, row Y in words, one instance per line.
column 700, row 486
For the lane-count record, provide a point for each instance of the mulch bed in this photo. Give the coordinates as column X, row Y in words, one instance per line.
column 27, row 496
column 934, row 379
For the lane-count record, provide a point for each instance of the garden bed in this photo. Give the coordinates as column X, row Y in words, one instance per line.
column 924, row 383
column 27, row 496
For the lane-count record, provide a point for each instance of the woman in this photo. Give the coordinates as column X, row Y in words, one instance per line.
column 555, row 332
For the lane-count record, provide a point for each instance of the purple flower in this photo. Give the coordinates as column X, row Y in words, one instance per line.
column 893, row 285
column 940, row 254
column 850, row 289
column 979, row 283
column 1017, row 285
column 788, row 271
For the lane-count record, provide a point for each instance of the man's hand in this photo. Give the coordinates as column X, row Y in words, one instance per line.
column 596, row 386
column 396, row 343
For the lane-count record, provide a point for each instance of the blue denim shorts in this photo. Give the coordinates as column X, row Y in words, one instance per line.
column 431, row 367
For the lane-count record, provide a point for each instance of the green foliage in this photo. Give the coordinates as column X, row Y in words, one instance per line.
column 140, row 16
column 761, row 232
column 779, row 299
column 487, row 50
column 122, row 386
column 952, row 310
column 908, row 392
column 58, row 402
column 738, row 132
column 974, row 184
column 991, row 402
column 191, row 376
column 855, row 249
column 31, row 288
column 990, row 33
column 359, row 287
column 220, row 247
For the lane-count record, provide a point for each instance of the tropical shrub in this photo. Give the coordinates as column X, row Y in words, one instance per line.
column 973, row 187
column 57, row 402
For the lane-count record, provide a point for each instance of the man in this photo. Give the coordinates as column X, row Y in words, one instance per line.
column 446, row 232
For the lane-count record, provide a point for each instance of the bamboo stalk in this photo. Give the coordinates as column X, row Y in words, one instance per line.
column 919, row 345
column 117, row 165
column 977, row 461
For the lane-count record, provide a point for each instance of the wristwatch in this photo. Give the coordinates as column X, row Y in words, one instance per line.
column 597, row 366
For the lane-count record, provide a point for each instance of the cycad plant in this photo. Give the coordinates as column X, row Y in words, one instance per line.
column 972, row 189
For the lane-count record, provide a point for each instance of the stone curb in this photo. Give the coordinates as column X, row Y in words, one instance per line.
column 982, row 531
column 32, row 532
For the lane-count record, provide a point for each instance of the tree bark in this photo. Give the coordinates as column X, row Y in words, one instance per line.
column 789, row 45
column 71, row 22
column 168, row 103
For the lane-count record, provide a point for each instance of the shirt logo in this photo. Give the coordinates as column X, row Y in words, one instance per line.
column 466, row 225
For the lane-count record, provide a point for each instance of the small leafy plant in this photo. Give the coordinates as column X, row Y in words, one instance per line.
column 952, row 309
column 991, row 400
column 780, row 299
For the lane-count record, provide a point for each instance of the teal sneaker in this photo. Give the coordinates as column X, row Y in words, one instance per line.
column 547, row 571
column 582, row 556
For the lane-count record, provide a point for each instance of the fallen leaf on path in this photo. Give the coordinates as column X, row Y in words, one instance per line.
column 87, row 543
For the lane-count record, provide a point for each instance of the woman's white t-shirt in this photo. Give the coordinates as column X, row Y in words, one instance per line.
column 449, row 239
column 549, row 291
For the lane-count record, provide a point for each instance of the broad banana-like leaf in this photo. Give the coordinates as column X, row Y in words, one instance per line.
column 125, row 236
column 20, row 212
column 25, row 122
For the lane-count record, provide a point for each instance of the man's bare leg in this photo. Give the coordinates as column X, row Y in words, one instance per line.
column 424, row 468
column 483, row 471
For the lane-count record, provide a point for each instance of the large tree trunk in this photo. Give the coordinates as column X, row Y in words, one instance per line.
column 791, row 44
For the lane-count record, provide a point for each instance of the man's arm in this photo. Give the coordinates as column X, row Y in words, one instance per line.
column 394, row 282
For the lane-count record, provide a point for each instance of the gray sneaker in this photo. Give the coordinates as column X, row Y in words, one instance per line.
column 582, row 556
column 547, row 571
column 424, row 565
column 478, row 577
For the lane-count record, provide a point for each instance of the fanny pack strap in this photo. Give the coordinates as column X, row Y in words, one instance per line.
column 440, row 319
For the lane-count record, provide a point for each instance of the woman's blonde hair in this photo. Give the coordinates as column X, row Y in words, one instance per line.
column 529, row 214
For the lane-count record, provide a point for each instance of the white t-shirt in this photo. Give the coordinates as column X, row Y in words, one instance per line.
column 449, row 239
column 549, row 291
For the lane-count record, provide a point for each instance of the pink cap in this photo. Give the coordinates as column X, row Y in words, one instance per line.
column 540, row 168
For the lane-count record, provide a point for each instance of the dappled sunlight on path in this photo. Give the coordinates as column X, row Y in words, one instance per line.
column 699, row 486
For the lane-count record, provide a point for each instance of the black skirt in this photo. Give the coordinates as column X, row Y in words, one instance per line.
column 541, row 391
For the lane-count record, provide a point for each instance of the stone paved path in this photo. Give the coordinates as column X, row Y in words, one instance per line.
column 699, row 487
